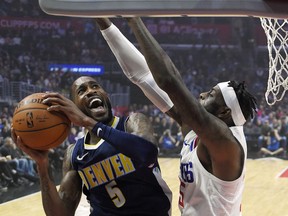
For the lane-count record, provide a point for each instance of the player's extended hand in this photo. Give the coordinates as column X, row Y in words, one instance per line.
column 39, row 156
column 60, row 103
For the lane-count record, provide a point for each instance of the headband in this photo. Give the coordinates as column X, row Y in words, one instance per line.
column 232, row 102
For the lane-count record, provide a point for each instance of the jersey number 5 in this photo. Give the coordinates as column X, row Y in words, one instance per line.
column 115, row 194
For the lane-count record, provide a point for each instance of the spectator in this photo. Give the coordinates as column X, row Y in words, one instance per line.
column 167, row 141
column 164, row 125
column 170, row 143
column 282, row 130
column 7, row 174
column 174, row 127
column 5, row 131
column 272, row 147
column 264, row 136
column 156, row 121
column 23, row 165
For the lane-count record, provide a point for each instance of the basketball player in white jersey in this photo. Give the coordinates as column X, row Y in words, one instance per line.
column 214, row 151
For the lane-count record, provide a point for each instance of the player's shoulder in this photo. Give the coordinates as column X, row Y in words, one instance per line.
column 137, row 116
column 136, row 120
column 68, row 157
column 70, row 147
column 69, row 151
column 75, row 148
column 140, row 124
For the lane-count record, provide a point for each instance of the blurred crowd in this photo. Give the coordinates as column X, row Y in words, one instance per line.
column 203, row 55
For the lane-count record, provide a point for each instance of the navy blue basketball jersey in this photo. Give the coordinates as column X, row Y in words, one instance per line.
column 115, row 185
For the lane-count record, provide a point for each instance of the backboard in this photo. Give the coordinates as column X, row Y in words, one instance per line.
column 126, row 8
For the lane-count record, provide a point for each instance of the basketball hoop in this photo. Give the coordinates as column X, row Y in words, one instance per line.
column 276, row 31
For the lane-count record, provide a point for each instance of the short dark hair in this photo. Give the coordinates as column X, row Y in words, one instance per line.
column 246, row 100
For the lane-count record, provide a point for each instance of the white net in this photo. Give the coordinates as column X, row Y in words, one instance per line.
column 277, row 42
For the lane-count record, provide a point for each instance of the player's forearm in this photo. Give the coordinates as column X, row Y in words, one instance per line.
column 157, row 59
column 135, row 68
column 103, row 23
column 129, row 58
column 51, row 201
column 149, row 46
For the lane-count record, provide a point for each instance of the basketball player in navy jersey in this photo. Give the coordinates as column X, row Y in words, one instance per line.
column 214, row 151
column 115, row 163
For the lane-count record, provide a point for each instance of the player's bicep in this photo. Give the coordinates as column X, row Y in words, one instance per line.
column 70, row 189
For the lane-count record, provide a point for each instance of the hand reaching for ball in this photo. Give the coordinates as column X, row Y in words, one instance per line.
column 37, row 127
column 60, row 103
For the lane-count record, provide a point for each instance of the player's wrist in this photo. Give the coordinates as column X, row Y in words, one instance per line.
column 103, row 23
column 88, row 123
column 110, row 32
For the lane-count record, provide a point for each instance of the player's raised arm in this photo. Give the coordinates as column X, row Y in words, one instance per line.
column 168, row 78
column 133, row 64
column 209, row 116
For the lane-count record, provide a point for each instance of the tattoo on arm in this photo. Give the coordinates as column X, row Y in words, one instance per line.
column 140, row 125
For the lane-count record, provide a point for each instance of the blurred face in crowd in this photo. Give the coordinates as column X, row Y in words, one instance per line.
column 9, row 142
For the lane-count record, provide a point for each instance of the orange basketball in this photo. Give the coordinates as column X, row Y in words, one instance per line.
column 37, row 127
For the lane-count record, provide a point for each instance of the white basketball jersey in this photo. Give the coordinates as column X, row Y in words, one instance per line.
column 201, row 193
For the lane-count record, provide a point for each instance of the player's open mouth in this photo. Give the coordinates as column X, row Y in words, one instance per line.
column 96, row 105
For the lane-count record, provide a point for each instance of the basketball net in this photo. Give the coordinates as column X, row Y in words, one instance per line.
column 276, row 31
